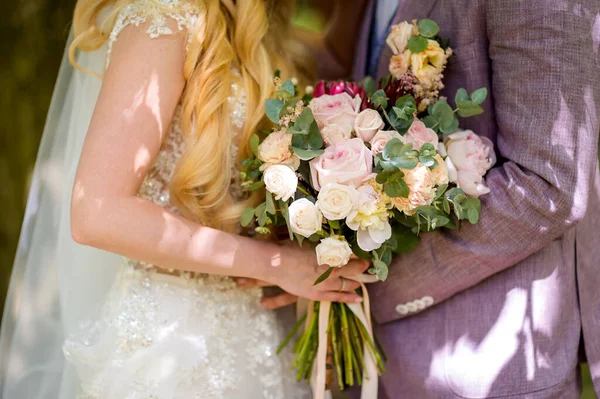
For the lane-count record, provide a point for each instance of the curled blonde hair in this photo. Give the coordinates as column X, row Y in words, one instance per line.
column 257, row 37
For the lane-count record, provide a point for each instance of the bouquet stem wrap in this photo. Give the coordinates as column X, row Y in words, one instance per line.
column 363, row 313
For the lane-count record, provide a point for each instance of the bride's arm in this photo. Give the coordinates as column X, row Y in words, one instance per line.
column 140, row 92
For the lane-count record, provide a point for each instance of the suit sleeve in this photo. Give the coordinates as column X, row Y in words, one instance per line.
column 546, row 95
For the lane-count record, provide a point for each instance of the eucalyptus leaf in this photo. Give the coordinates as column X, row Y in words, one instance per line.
column 473, row 215
column 379, row 99
column 369, row 85
column 273, row 107
column 467, row 109
column 428, row 28
column 261, row 214
column 381, row 269
column 288, row 88
column 404, row 162
column 393, row 148
column 283, row 205
column 430, row 121
column 417, row 44
column 247, row 217
column 406, row 239
column 461, row 95
column 479, row 95
column 314, row 139
column 397, row 189
column 270, row 205
column 306, row 155
column 451, row 128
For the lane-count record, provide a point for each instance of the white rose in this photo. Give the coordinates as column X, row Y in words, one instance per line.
column 334, row 252
column 367, row 123
column 281, row 181
column 305, row 217
column 275, row 150
column 336, row 200
column 380, row 140
column 399, row 36
column 334, row 134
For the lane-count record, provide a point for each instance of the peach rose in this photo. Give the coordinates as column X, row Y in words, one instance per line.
column 399, row 64
column 339, row 109
column 421, row 183
column 440, row 172
column 380, row 140
column 347, row 163
column 419, row 134
column 367, row 123
column 275, row 150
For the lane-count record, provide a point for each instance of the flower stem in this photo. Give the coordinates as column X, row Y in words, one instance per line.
column 347, row 349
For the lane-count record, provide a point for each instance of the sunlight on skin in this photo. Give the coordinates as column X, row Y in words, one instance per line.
column 153, row 101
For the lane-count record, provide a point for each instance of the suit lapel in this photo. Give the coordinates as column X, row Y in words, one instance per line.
column 407, row 11
column 360, row 60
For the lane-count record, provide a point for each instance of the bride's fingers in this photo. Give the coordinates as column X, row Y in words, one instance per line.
column 337, row 284
column 278, row 301
column 353, row 268
column 251, row 283
column 344, row 297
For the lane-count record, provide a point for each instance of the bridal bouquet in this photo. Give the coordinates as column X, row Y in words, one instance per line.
column 363, row 169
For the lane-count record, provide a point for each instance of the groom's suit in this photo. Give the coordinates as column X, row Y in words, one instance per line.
column 499, row 309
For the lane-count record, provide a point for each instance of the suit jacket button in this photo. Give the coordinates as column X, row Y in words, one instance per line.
column 427, row 300
column 402, row 309
column 420, row 304
column 412, row 307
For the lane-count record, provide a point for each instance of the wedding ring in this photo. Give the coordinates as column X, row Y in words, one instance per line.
column 343, row 284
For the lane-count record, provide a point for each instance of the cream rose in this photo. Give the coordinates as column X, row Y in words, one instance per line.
column 370, row 218
column 281, row 181
column 380, row 140
column 419, row 134
column 367, row 123
column 275, row 150
column 305, row 217
column 336, row 200
column 334, row 134
column 347, row 163
column 399, row 36
column 421, row 184
column 333, row 251
column 339, row 109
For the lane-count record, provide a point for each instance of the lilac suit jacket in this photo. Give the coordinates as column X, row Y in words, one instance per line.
column 498, row 309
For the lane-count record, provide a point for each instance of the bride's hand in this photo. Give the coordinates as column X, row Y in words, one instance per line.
column 296, row 272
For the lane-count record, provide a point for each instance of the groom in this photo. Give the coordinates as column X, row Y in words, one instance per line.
column 508, row 307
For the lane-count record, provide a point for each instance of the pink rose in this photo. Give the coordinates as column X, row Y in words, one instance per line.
column 469, row 158
column 367, row 123
column 347, row 163
column 333, row 134
column 339, row 109
column 419, row 134
column 380, row 140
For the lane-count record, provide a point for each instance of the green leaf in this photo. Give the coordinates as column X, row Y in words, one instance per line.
column 440, row 191
column 443, row 112
column 479, row 95
column 273, row 107
column 428, row 28
column 369, row 85
column 417, row 44
column 467, row 109
column 428, row 161
column 473, row 216
column 397, row 188
column 407, row 102
column 461, row 95
column 379, row 99
column 247, row 217
column 283, row 205
column 263, row 230
column 286, row 91
column 254, row 142
column 451, row 128
column 323, row 276
column 404, row 162
column 406, row 239
column 394, row 148
column 428, row 149
column 306, row 155
column 314, row 139
column 430, row 121
column 257, row 186
column 446, row 206
column 381, row 269
column 335, row 224
column 261, row 213
column 270, row 205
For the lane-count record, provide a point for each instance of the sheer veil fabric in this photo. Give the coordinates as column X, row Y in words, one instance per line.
column 55, row 282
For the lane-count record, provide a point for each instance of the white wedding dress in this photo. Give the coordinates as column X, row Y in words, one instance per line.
column 161, row 336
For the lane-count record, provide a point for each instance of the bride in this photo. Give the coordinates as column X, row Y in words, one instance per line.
column 154, row 180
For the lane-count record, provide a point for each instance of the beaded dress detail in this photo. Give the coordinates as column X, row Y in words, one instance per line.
column 188, row 336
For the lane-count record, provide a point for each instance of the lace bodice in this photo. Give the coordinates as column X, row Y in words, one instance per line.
column 156, row 15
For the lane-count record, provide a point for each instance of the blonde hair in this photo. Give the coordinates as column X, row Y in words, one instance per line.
column 257, row 37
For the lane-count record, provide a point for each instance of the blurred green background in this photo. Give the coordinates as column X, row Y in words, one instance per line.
column 33, row 34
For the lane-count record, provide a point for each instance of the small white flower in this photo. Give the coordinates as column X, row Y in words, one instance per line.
column 333, row 251
column 305, row 217
column 367, row 124
column 281, row 181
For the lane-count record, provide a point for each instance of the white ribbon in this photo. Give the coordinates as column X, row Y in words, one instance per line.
column 363, row 313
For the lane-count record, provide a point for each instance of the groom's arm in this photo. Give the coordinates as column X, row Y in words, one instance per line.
column 546, row 95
